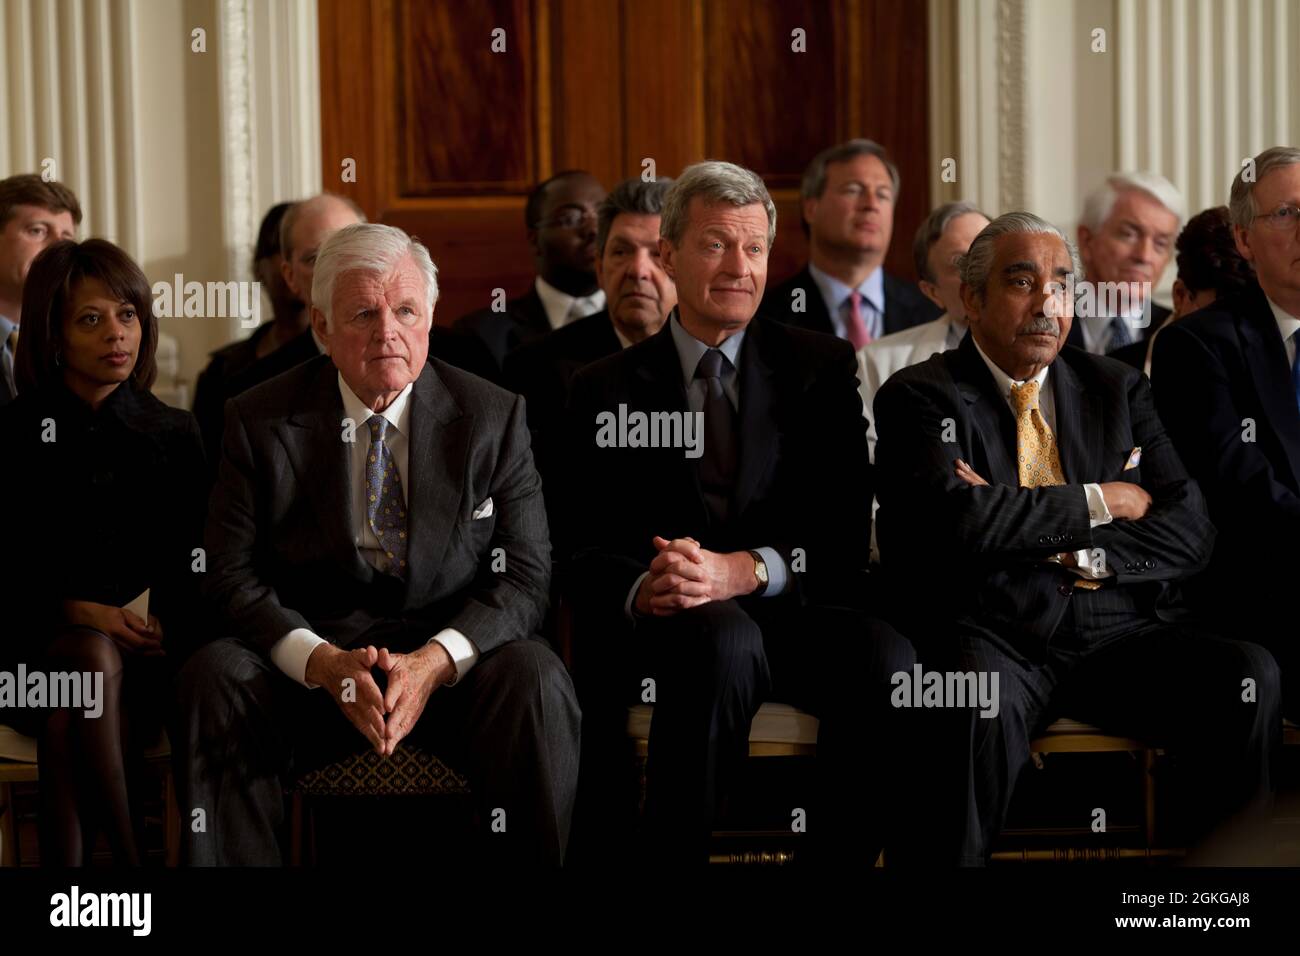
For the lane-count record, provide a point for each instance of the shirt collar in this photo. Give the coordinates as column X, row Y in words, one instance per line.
column 1005, row 381
column 953, row 331
column 1287, row 324
column 872, row 288
column 558, row 304
column 398, row 411
column 690, row 349
column 7, row 325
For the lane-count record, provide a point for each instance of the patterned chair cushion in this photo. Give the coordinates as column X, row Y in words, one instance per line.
column 408, row 772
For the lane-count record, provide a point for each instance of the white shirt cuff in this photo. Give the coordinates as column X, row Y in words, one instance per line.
column 462, row 650
column 630, row 604
column 290, row 653
column 1098, row 513
column 778, row 575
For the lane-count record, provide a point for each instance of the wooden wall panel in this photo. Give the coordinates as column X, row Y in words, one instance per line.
column 448, row 136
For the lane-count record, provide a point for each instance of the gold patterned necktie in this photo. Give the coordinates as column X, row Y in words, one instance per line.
column 1037, row 457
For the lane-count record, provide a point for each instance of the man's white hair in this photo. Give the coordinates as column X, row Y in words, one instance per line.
column 368, row 247
column 1097, row 207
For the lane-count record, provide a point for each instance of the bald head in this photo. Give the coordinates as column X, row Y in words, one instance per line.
column 304, row 228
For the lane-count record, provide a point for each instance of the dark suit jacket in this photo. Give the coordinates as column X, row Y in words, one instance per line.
column 112, row 506
column 1158, row 316
column 804, row 477
column 500, row 332
column 975, row 554
column 905, row 306
column 281, row 553
column 1222, row 375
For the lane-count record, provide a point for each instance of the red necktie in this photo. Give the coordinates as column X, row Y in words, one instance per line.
column 858, row 333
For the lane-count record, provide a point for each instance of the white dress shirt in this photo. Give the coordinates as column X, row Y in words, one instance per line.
column 1098, row 513
column 290, row 652
column 1288, row 325
column 1097, row 331
column 562, row 308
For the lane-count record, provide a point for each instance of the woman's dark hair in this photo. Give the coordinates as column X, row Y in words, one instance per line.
column 47, row 293
column 1208, row 258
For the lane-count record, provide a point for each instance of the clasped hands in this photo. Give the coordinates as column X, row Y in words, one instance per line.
column 383, row 718
column 684, row 575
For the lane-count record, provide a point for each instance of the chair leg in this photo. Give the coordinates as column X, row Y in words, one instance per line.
column 295, row 830
column 171, row 819
column 8, row 827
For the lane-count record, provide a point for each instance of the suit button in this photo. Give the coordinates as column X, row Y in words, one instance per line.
column 1151, row 563
column 1067, row 537
column 1042, row 539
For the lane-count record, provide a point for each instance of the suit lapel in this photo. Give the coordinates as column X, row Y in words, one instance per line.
column 321, row 460
column 757, row 419
column 1078, row 423
column 991, row 420
column 659, row 387
column 1266, row 359
column 439, row 443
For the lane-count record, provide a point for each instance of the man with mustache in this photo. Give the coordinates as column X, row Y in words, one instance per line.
column 377, row 547
column 1037, row 523
column 561, row 218
column 639, row 296
column 1126, row 239
column 1229, row 387
column 848, row 196
column 727, row 573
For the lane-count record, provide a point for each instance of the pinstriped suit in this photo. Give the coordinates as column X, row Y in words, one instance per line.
column 970, row 561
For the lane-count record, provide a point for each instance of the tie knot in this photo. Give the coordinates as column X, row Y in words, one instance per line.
column 1025, row 397
column 378, row 425
column 710, row 364
column 855, row 300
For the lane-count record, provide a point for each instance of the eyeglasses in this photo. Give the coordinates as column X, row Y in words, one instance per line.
column 570, row 217
column 1283, row 217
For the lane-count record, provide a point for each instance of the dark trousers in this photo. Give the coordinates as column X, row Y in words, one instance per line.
column 714, row 665
column 1175, row 686
column 244, row 729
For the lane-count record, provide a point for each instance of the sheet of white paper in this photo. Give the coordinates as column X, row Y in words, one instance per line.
column 140, row 606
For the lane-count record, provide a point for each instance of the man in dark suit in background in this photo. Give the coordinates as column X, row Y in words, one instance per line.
column 1209, row 268
column 1040, row 521
column 1126, row 239
column 561, row 218
column 1227, row 386
column 849, row 193
column 722, row 562
column 34, row 214
column 639, row 295
column 377, row 535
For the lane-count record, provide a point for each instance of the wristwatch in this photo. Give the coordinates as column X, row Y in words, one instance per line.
column 760, row 571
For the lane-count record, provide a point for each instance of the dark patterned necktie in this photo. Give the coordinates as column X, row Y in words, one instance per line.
column 384, row 508
column 1120, row 335
column 718, row 461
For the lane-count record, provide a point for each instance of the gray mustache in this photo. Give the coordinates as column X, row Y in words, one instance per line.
column 1043, row 323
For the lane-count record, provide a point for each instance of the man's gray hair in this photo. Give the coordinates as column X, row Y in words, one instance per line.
column 634, row 196
column 976, row 264
column 368, row 247
column 290, row 218
column 1097, row 207
column 932, row 230
column 715, row 182
column 1241, row 201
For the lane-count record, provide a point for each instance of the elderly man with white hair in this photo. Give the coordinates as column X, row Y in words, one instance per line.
column 377, row 549
column 1126, row 239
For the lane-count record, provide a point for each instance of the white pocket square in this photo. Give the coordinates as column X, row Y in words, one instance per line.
column 484, row 510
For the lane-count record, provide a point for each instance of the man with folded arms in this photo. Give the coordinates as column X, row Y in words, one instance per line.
column 1040, row 521
column 377, row 545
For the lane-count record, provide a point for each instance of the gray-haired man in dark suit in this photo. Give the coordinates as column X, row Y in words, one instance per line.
column 377, row 544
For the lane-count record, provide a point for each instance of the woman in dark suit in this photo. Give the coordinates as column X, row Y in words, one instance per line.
column 104, row 488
